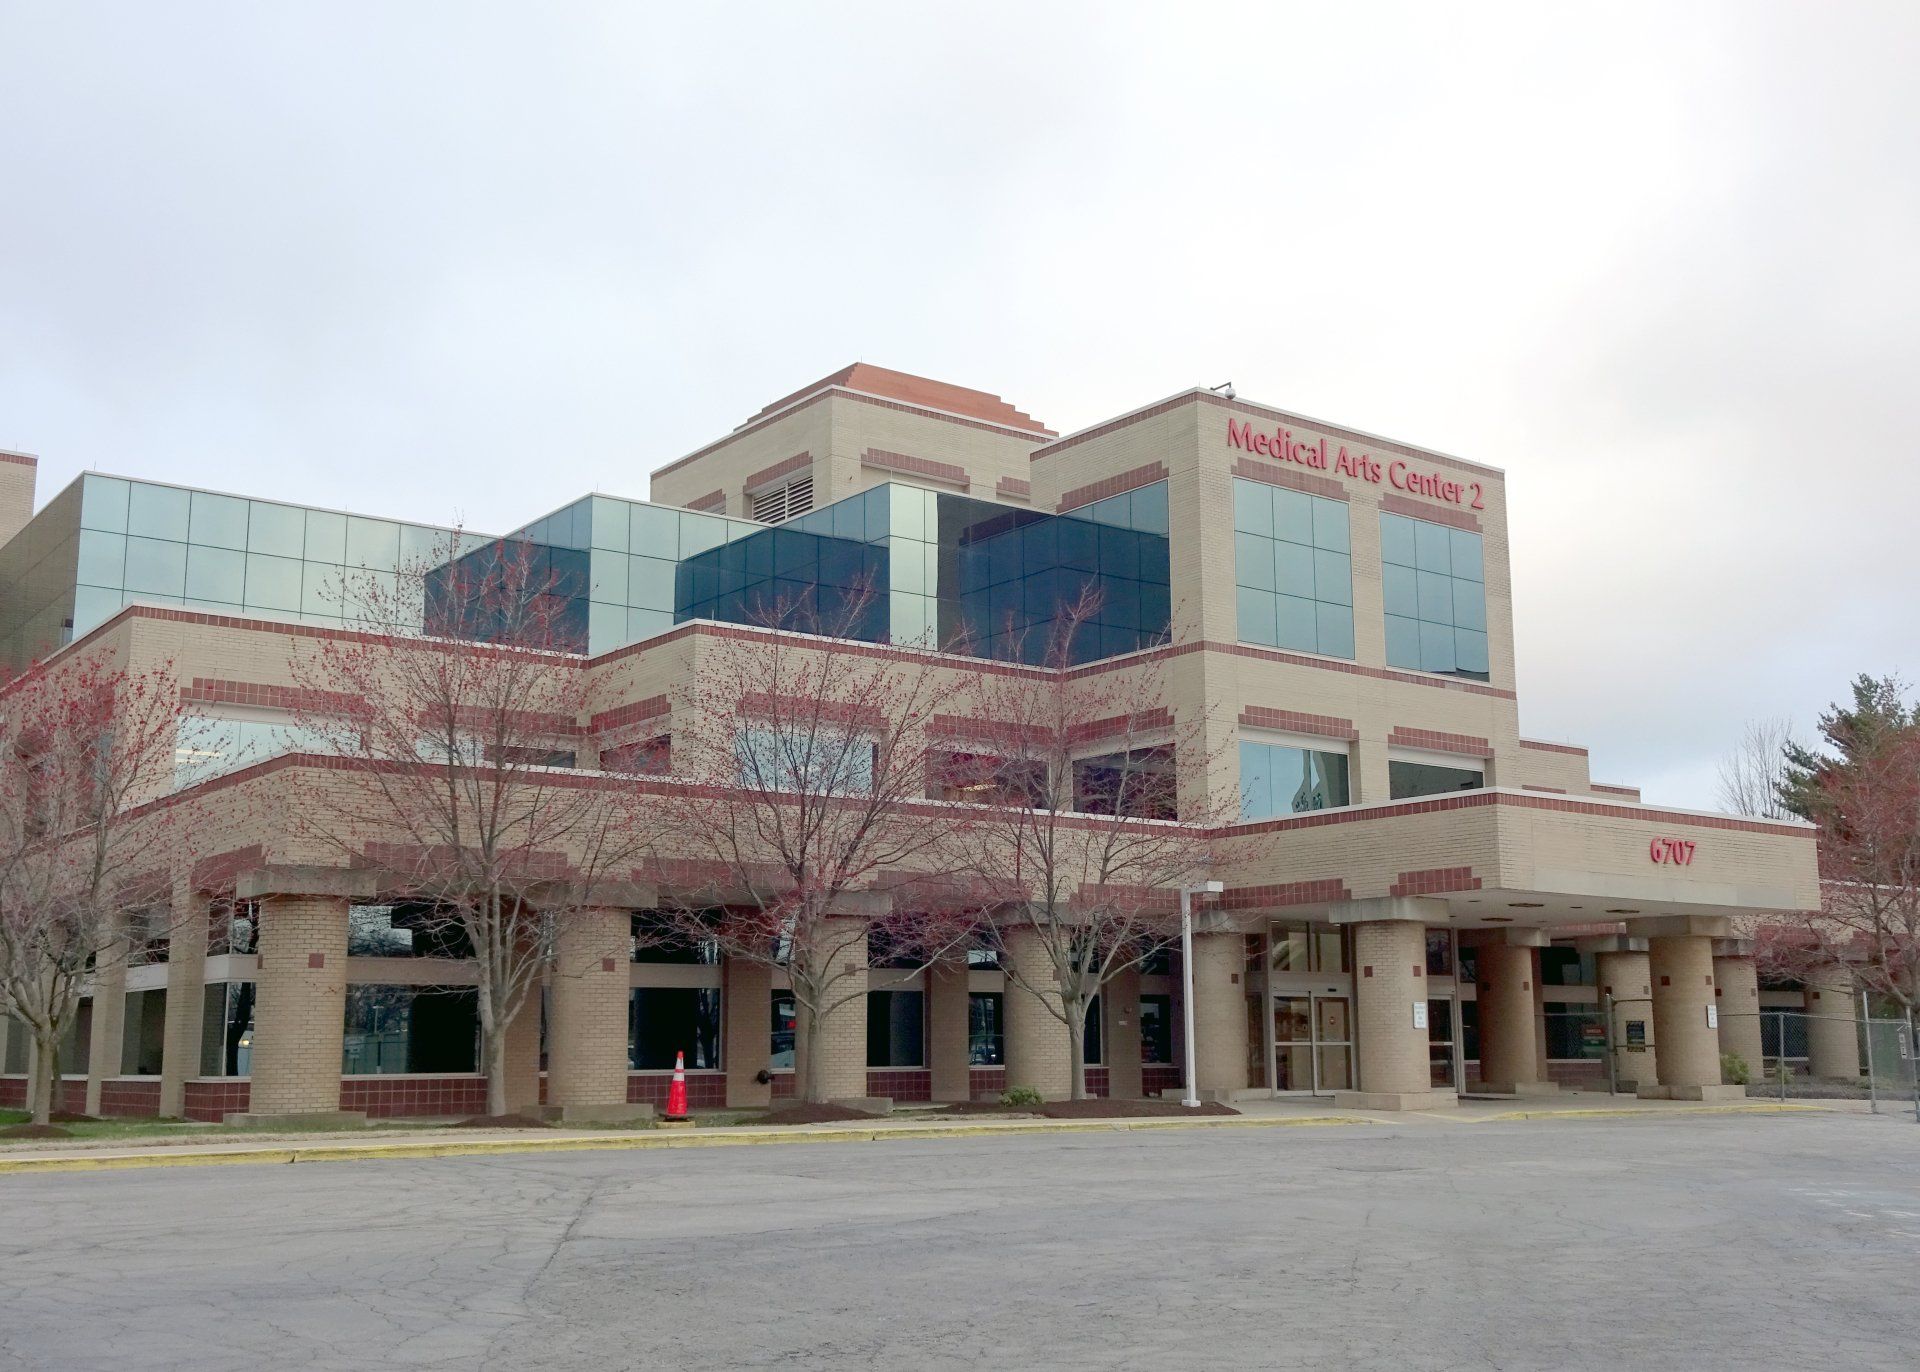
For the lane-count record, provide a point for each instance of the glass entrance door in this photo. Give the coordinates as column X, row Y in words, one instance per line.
column 1442, row 1061
column 1312, row 1043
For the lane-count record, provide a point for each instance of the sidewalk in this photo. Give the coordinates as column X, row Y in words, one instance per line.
column 213, row 1150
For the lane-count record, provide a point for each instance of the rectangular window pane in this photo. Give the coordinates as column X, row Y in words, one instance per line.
column 1296, row 625
column 1256, row 617
column 1470, row 652
column 1330, row 524
column 217, row 574
column 986, row 1044
column 896, row 1022
column 1252, row 508
column 158, row 512
column 373, row 543
column 1253, row 561
column 1435, row 597
column 1156, row 1029
column 1334, row 624
column 1469, row 604
column 393, row 1029
column 1407, row 780
column 326, row 537
column 1256, row 781
column 103, row 558
column 1436, row 648
column 1293, row 569
column 156, row 567
column 1403, row 642
column 666, row 1021
column 1396, row 540
column 103, row 504
column 1332, row 578
column 1466, row 554
column 1431, row 543
column 219, row 521
column 276, row 529
column 1397, row 589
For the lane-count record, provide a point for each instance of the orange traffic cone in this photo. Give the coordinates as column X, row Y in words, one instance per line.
column 677, row 1093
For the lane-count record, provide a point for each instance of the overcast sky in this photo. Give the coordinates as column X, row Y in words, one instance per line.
column 1662, row 264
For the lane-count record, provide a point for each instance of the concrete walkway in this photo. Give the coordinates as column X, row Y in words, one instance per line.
column 217, row 1149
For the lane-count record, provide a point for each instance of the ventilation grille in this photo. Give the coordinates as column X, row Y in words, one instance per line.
column 778, row 504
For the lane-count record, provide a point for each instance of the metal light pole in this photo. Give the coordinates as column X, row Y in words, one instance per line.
column 1187, row 893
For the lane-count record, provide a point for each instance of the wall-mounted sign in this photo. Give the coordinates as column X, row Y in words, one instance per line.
column 1419, row 1014
column 1671, row 852
column 1713, row 1017
column 1636, row 1033
column 1282, row 446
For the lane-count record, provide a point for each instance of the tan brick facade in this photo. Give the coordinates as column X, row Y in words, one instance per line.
column 950, row 1069
column 1508, row 1044
column 186, row 1018
column 1738, row 982
column 1682, row 972
column 1219, row 1013
column 1390, row 962
column 747, row 1003
column 1039, row 1052
column 842, row 1036
column 300, row 1018
column 109, row 1021
column 587, row 1029
column 1833, row 1035
column 1120, row 1035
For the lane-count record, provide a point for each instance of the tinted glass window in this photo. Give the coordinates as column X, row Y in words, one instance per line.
column 1435, row 601
column 1406, row 780
column 1293, row 565
column 1276, row 779
column 986, row 1044
column 666, row 1021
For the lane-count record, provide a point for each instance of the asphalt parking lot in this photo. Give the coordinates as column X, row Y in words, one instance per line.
column 1701, row 1242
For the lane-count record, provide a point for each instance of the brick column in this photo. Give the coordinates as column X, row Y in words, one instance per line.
column 948, row 1057
column 1624, row 976
column 1039, row 1052
column 186, row 999
column 1509, row 1047
column 1539, row 1016
column 1390, row 979
column 1681, row 966
column 109, row 1018
column 1833, row 1035
column 1738, row 982
column 1219, row 1014
column 587, row 1028
column 747, row 1002
column 522, row 1054
column 300, row 1009
column 1120, row 1035
column 842, row 1036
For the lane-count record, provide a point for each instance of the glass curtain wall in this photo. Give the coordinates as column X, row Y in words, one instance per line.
column 1293, row 565
column 1432, row 580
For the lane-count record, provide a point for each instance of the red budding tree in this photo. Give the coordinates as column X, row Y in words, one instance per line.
column 455, row 756
column 1084, row 830
column 804, row 837
column 86, row 749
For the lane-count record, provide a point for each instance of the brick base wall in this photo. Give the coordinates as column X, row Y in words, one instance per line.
column 13, row 1093
column 129, row 1099
column 1156, row 1077
column 398, row 1097
column 705, row 1090
column 901, row 1083
column 213, row 1101
column 987, row 1081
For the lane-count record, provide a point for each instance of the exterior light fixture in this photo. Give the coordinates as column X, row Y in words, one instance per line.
column 1187, row 893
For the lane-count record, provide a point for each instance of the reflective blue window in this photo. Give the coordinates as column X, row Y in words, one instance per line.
column 1294, row 568
column 1278, row 779
column 1434, row 597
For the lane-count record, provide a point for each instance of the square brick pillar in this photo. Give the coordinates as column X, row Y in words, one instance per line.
column 522, row 1054
column 747, row 1002
column 300, row 1010
column 1039, row 1052
column 587, row 1053
column 842, row 1041
column 1539, row 1019
column 1509, row 1045
column 186, row 999
column 1390, row 997
column 1120, row 1035
column 1689, row 1065
column 1833, row 1034
column 948, row 1032
column 1219, row 1014
column 109, row 1019
column 1624, row 976
column 1737, row 980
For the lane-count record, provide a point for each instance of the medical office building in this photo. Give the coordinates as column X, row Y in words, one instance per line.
column 1418, row 898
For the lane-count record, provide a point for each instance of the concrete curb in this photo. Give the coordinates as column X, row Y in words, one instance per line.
column 453, row 1148
column 1616, row 1111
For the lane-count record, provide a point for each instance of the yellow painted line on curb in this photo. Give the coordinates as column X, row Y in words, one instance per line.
column 1643, row 1111
column 350, row 1152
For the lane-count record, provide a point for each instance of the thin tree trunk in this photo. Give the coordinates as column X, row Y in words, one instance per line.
column 46, row 1049
column 814, row 1089
column 1076, row 1009
column 493, row 1058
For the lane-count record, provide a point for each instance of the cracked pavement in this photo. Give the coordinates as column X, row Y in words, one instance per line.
column 1697, row 1243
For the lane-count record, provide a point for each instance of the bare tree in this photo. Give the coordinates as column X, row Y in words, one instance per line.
column 803, row 836
column 1084, row 834
column 457, row 754
column 87, row 750
column 1753, row 775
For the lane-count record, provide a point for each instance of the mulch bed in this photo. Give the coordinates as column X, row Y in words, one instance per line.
column 69, row 1117
column 35, row 1131
column 500, row 1122
column 804, row 1113
column 1091, row 1109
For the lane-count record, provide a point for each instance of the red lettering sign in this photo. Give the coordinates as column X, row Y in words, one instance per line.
column 1671, row 852
column 1282, row 445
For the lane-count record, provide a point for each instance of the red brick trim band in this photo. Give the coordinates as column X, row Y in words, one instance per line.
column 1013, row 485
column 1268, row 474
column 712, row 500
column 1467, row 745
column 632, row 713
column 909, row 465
column 1605, row 789
column 779, row 469
column 1548, row 790
column 1293, row 721
column 1475, row 800
column 20, row 459
column 1394, row 503
column 1112, row 485
column 265, row 696
column 1140, row 722
column 1325, row 891
column 1553, row 747
column 1433, row 881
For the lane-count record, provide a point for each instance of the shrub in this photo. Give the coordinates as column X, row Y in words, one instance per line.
column 1734, row 1070
column 1021, row 1095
